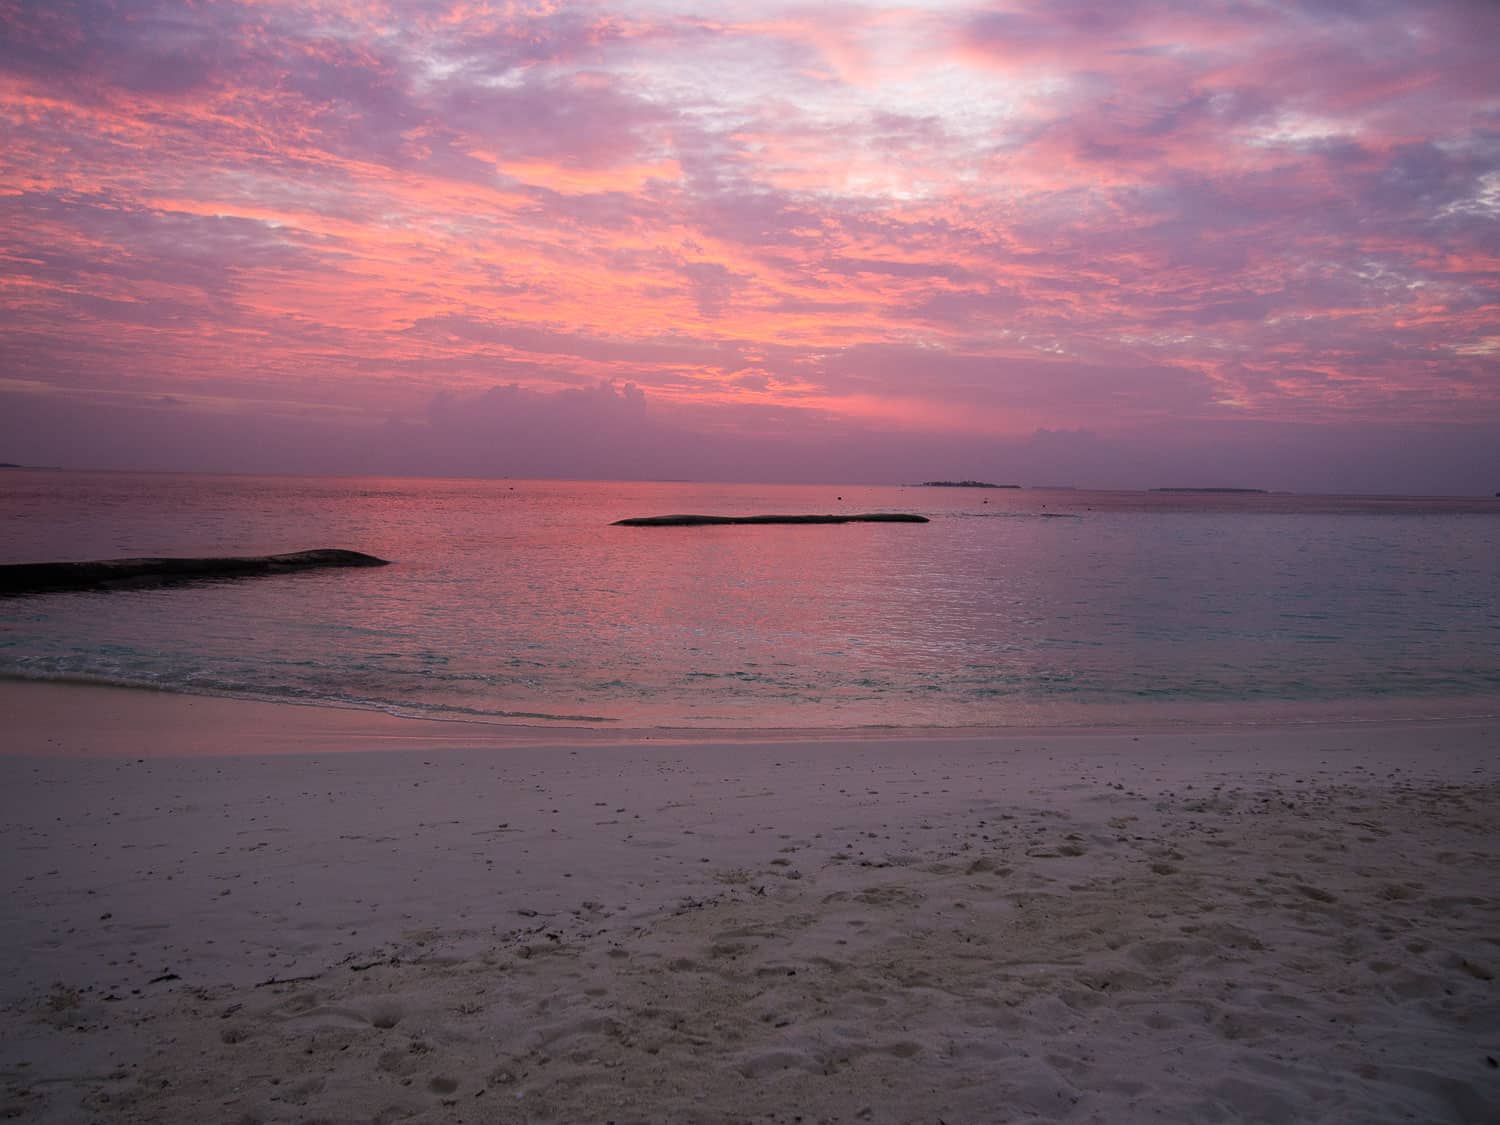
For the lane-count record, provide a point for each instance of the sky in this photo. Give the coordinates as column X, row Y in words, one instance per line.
column 1103, row 243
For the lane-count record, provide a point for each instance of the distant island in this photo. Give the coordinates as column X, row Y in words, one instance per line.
column 700, row 521
column 1262, row 491
column 965, row 484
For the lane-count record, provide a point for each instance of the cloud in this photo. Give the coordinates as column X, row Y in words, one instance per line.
column 509, row 410
column 610, row 432
column 862, row 219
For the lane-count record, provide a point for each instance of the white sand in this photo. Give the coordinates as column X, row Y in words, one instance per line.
column 1279, row 925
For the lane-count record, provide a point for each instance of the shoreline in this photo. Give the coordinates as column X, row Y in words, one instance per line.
column 135, row 720
column 229, row 910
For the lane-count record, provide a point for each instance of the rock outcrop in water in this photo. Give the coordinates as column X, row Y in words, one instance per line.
column 965, row 484
column 57, row 577
column 696, row 521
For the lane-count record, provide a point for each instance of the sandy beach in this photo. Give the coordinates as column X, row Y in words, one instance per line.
column 256, row 913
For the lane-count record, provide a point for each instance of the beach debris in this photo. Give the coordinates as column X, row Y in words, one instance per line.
column 286, row 980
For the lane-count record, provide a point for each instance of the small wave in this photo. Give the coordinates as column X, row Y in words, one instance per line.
column 450, row 711
column 79, row 679
column 300, row 697
column 1144, row 713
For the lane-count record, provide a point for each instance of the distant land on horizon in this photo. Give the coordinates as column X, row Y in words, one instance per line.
column 1181, row 489
column 965, row 484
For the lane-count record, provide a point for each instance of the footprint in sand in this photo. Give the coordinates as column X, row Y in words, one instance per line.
column 385, row 1016
column 296, row 1004
column 1317, row 894
column 774, row 1061
column 329, row 1017
column 504, row 1075
column 1067, row 849
column 302, row 1091
column 987, row 866
column 889, row 896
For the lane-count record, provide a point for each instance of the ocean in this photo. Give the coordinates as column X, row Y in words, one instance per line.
column 516, row 601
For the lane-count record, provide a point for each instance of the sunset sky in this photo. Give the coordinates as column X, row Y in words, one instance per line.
column 1230, row 242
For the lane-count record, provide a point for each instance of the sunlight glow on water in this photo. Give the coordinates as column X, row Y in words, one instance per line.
column 516, row 601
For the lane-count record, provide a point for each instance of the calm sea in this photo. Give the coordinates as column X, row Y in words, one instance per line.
column 517, row 602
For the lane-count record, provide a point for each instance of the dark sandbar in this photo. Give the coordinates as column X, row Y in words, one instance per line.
column 55, row 577
column 697, row 521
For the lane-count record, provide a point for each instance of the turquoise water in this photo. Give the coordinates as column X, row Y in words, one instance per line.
column 516, row 601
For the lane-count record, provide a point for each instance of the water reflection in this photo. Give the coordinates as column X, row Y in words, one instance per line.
column 513, row 598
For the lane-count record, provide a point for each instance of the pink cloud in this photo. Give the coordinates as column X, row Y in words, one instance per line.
column 943, row 221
